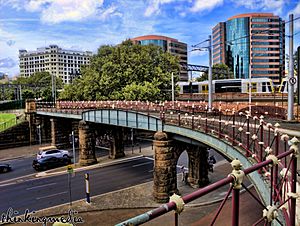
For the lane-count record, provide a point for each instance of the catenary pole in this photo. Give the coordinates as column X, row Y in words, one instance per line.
column 209, row 76
column 290, row 115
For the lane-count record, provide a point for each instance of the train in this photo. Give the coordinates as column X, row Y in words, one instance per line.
column 259, row 85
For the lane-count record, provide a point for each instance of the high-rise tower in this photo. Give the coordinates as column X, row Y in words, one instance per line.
column 254, row 40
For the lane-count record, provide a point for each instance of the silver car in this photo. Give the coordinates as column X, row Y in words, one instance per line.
column 53, row 153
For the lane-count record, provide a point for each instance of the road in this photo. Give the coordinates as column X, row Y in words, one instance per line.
column 36, row 194
column 22, row 167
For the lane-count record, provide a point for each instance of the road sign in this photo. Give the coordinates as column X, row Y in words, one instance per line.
column 70, row 169
column 293, row 80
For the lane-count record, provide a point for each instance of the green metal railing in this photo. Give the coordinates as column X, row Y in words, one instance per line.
column 7, row 124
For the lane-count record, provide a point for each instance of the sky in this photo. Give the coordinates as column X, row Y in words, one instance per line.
column 87, row 24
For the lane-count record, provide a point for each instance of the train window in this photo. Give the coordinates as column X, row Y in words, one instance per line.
column 190, row 89
column 186, row 89
column 269, row 87
column 263, row 87
column 232, row 86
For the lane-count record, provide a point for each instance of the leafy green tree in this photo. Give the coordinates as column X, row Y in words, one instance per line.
column 40, row 85
column 219, row 71
column 126, row 71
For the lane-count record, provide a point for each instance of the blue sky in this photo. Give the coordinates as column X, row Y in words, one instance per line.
column 88, row 24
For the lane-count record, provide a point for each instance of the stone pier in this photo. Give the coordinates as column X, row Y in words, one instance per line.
column 117, row 144
column 165, row 179
column 60, row 132
column 198, row 166
column 86, row 144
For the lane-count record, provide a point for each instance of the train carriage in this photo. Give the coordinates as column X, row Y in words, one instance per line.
column 259, row 85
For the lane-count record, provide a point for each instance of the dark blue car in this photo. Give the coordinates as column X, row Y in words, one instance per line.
column 50, row 162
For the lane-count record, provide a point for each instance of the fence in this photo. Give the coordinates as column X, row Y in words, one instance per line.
column 7, row 124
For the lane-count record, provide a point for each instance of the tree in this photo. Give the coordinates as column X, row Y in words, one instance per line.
column 126, row 71
column 39, row 85
column 219, row 71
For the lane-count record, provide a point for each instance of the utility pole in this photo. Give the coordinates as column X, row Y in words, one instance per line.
column 53, row 81
column 209, row 76
column 173, row 92
column 290, row 115
column 298, row 75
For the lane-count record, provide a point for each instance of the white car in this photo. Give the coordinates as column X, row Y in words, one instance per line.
column 53, row 153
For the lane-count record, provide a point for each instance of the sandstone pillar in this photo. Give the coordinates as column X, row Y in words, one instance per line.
column 86, row 144
column 165, row 179
column 30, row 114
column 117, row 144
column 198, row 166
column 60, row 132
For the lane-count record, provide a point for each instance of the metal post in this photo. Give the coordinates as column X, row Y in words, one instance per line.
column 298, row 76
column 87, row 188
column 276, row 166
column 235, row 206
column 293, row 190
column 248, row 135
column 132, row 140
column 220, row 119
column 173, row 91
column 290, row 115
column 40, row 136
column 73, row 146
column 176, row 219
column 233, row 129
column 70, row 190
column 209, row 76
column 20, row 89
column 193, row 111
column 261, row 140
column 250, row 86
column 53, row 89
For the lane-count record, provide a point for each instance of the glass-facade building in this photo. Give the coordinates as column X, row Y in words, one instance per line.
column 169, row 45
column 251, row 43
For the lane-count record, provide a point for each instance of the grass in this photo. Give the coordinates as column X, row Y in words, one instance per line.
column 7, row 120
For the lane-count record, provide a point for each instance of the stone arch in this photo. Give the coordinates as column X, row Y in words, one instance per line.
column 167, row 153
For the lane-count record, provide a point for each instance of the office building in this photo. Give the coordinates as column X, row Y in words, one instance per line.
column 57, row 61
column 251, row 45
column 170, row 45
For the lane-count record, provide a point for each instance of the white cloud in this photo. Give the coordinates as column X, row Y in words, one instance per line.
column 7, row 63
column 205, row 5
column 56, row 11
column 296, row 12
column 70, row 10
column 275, row 5
column 154, row 7
column 111, row 11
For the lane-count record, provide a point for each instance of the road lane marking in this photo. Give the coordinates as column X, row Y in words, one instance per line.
column 48, row 196
column 148, row 158
column 40, row 186
column 141, row 164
